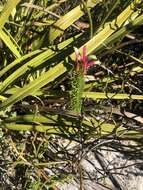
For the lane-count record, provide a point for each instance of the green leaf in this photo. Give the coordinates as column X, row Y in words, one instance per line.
column 104, row 95
column 110, row 28
column 10, row 43
column 121, row 32
column 9, row 6
column 33, row 63
column 18, row 62
column 44, row 79
column 68, row 19
column 52, row 125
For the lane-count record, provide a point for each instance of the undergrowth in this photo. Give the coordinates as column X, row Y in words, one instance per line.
column 70, row 86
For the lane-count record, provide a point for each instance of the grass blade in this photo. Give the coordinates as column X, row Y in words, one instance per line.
column 111, row 27
column 68, row 19
column 44, row 79
column 104, row 95
column 9, row 6
column 10, row 43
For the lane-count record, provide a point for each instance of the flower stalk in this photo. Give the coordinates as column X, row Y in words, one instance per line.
column 77, row 83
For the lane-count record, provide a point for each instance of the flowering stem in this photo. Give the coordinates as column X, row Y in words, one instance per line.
column 77, row 87
column 77, row 82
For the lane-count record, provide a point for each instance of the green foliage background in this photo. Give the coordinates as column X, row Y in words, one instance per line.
column 37, row 58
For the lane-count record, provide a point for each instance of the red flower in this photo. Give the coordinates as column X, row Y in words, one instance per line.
column 82, row 62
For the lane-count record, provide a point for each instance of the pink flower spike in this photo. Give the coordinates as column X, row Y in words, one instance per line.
column 82, row 63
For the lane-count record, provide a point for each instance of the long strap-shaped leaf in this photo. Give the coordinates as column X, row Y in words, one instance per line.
column 8, row 40
column 92, row 95
column 10, row 43
column 110, row 28
column 18, row 61
column 9, row 6
column 39, row 59
column 106, row 129
column 47, row 77
column 33, row 63
column 51, row 125
column 60, row 69
column 122, row 32
column 68, row 19
column 103, row 95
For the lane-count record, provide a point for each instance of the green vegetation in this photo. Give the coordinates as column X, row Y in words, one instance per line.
column 47, row 95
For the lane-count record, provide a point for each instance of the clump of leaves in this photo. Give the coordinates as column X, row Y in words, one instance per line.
column 37, row 49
